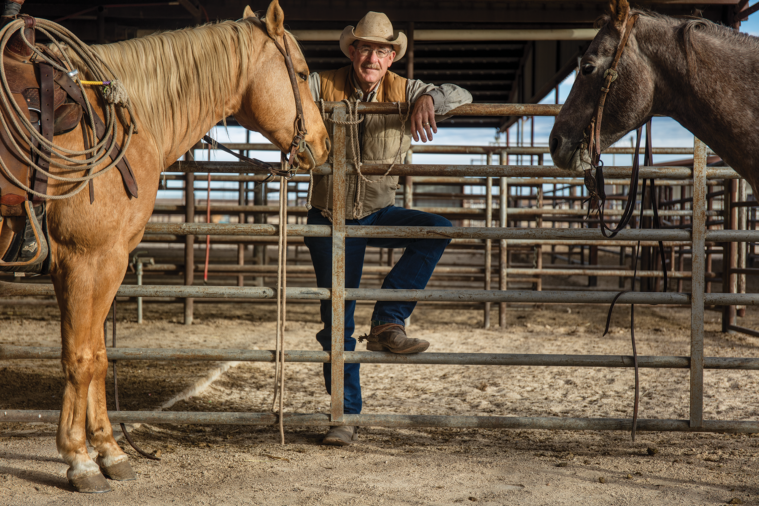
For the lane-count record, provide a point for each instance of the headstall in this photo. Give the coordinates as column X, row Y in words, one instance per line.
column 298, row 144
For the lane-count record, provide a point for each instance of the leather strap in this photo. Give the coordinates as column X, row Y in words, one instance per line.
column 47, row 116
column 610, row 76
column 86, row 142
column 65, row 82
column 300, row 123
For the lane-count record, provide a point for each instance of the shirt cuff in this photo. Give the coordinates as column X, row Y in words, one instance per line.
column 438, row 99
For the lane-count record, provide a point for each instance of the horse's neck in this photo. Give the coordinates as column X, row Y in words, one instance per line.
column 182, row 139
column 718, row 101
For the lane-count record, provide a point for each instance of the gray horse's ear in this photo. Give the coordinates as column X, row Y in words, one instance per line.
column 619, row 11
column 248, row 13
column 275, row 20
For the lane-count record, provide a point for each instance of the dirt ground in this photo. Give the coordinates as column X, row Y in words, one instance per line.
column 246, row 465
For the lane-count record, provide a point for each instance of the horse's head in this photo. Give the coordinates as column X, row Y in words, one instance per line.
column 628, row 103
column 268, row 104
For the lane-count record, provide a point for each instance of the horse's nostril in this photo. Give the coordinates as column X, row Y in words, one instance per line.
column 327, row 144
column 554, row 144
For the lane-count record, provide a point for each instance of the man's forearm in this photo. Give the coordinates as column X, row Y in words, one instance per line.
column 445, row 97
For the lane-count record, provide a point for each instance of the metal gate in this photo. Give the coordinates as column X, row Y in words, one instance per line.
column 697, row 299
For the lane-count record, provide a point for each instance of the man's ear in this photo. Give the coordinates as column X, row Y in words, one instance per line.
column 248, row 13
column 275, row 20
column 619, row 10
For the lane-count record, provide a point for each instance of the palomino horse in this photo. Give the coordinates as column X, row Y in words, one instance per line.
column 181, row 84
column 701, row 74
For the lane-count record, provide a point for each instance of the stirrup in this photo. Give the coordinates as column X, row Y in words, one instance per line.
column 42, row 249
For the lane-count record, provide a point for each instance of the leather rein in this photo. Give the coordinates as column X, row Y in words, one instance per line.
column 298, row 143
column 597, row 195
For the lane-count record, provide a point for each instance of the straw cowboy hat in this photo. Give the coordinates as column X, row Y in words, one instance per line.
column 374, row 27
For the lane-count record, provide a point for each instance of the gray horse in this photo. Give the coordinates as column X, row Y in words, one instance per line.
column 703, row 75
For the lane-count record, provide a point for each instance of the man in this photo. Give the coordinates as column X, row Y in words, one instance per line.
column 373, row 47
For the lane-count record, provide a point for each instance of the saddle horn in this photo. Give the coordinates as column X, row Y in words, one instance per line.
column 12, row 8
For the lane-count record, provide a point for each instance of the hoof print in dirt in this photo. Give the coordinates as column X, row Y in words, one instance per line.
column 90, row 484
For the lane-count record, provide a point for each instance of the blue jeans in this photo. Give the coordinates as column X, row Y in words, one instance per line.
column 412, row 271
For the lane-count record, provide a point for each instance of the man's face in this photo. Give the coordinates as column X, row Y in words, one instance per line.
column 371, row 61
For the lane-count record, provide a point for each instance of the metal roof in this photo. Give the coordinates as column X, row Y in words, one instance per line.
column 501, row 50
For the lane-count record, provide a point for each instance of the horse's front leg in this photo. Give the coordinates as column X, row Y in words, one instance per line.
column 85, row 287
column 113, row 462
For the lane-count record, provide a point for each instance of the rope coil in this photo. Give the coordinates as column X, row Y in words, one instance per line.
column 352, row 122
column 33, row 143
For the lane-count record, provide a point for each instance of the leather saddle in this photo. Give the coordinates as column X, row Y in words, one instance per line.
column 54, row 104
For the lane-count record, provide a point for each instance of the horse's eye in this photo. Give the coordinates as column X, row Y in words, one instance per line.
column 588, row 68
column 303, row 76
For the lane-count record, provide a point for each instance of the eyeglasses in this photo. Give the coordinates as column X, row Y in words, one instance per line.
column 382, row 52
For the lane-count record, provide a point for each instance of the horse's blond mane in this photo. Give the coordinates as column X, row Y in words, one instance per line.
column 162, row 75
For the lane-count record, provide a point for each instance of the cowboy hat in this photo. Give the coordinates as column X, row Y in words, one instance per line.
column 374, row 27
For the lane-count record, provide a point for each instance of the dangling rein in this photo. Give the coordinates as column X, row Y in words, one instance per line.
column 597, row 197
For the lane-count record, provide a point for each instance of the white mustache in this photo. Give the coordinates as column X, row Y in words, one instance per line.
column 371, row 66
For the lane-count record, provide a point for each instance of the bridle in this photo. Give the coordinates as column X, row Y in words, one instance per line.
column 597, row 195
column 298, row 144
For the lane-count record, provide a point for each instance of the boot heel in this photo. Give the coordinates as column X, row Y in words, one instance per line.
column 374, row 346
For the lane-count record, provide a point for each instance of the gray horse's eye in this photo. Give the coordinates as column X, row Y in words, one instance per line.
column 588, row 68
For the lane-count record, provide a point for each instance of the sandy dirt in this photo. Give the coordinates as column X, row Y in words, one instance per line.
column 246, row 465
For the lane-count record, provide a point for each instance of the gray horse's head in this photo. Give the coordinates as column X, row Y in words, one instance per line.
column 628, row 104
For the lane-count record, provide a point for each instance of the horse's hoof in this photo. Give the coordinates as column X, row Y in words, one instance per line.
column 90, row 484
column 121, row 471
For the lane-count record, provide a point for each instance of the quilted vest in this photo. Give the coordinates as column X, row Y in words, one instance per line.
column 379, row 139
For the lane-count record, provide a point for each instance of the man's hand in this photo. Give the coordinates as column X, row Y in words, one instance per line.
column 423, row 119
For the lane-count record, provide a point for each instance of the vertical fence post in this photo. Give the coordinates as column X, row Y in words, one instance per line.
column 503, row 202
column 729, row 255
column 408, row 202
column 698, row 248
column 742, row 246
column 189, row 240
column 488, row 242
column 338, row 263
column 408, row 184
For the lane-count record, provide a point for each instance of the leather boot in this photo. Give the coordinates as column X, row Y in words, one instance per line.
column 392, row 337
column 342, row 435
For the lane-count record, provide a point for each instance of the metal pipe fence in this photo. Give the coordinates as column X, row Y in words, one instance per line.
column 694, row 238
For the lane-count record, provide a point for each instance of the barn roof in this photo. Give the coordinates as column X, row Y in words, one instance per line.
column 501, row 50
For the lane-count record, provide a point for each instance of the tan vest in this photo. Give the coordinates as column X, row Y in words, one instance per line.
column 379, row 141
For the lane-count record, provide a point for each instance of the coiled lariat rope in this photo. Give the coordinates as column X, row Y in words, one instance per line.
column 352, row 122
column 86, row 160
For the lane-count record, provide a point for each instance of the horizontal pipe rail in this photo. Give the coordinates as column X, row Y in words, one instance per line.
column 463, row 110
column 271, row 270
column 233, row 229
column 397, row 421
column 548, row 297
column 10, row 352
column 468, row 181
column 496, row 233
column 463, row 150
column 461, row 170
column 470, row 211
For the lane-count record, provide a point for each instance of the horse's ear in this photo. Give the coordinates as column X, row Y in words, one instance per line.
column 619, row 11
column 248, row 13
column 275, row 20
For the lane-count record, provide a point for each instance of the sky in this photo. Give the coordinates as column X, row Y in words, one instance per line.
column 666, row 133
